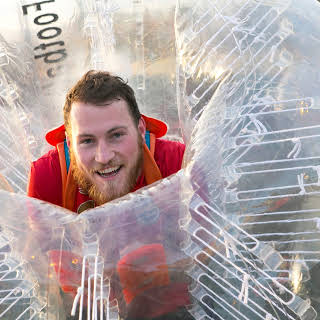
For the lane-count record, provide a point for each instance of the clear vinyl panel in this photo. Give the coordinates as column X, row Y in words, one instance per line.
column 248, row 100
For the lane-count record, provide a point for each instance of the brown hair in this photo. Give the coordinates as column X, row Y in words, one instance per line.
column 98, row 87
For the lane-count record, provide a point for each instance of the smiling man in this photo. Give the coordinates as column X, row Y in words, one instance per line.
column 104, row 150
column 106, row 155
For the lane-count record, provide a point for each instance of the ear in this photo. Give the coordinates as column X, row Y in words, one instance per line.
column 142, row 127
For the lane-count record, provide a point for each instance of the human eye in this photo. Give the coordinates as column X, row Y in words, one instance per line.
column 86, row 141
column 117, row 135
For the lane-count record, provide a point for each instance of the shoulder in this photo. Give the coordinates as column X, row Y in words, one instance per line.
column 49, row 158
column 168, row 156
column 47, row 165
column 45, row 178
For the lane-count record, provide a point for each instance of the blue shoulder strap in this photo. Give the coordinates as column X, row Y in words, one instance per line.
column 67, row 155
column 147, row 138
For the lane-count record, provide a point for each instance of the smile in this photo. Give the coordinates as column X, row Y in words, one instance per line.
column 106, row 173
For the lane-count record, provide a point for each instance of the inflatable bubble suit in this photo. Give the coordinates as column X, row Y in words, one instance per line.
column 235, row 234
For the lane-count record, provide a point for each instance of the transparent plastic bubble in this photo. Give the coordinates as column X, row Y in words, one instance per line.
column 235, row 233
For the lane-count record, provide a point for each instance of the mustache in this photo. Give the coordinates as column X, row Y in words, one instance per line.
column 110, row 164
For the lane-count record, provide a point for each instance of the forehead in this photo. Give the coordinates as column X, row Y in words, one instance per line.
column 89, row 118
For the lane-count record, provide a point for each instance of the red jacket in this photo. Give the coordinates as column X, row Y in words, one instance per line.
column 45, row 181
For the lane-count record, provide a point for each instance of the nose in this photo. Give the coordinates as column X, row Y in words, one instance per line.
column 104, row 153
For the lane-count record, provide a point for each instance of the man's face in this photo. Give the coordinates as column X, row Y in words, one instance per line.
column 106, row 149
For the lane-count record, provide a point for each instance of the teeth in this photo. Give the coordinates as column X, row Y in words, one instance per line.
column 109, row 170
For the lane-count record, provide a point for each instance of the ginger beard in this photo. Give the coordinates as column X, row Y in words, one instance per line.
column 111, row 189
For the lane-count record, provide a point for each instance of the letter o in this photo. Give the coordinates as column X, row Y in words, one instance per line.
column 53, row 15
column 41, row 32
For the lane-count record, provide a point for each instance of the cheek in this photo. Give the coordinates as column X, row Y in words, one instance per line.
column 130, row 149
column 82, row 156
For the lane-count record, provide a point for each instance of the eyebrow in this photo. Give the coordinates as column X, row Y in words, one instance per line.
column 84, row 135
column 116, row 128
